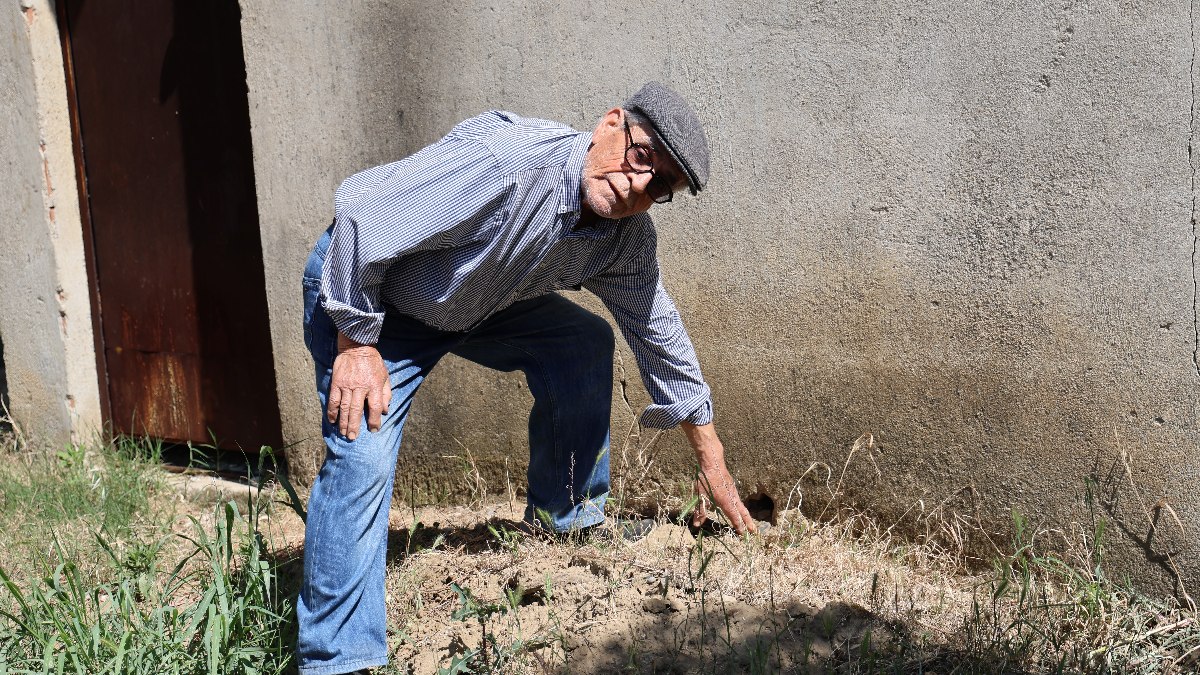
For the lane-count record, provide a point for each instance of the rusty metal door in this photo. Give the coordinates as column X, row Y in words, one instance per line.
column 163, row 137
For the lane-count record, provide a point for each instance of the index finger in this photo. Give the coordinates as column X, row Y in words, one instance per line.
column 377, row 405
column 747, row 519
column 737, row 513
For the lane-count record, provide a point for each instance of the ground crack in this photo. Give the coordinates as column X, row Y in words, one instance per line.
column 624, row 380
column 1192, row 185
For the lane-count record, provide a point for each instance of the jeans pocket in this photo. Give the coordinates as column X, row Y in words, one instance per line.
column 312, row 292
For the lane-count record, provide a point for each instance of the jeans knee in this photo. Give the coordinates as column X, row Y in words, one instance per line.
column 368, row 461
column 599, row 338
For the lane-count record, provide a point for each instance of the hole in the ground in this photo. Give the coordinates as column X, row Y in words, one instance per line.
column 761, row 506
column 535, row 595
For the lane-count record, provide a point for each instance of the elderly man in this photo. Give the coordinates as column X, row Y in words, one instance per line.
column 458, row 249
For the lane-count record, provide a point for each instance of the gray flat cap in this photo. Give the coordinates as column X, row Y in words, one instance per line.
column 678, row 127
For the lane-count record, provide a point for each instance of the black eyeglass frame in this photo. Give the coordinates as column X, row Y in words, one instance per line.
column 658, row 188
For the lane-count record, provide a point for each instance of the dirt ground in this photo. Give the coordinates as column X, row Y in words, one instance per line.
column 467, row 592
column 463, row 583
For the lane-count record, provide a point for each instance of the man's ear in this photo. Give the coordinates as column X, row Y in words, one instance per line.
column 610, row 122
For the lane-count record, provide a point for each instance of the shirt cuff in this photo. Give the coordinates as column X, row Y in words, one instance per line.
column 703, row 415
column 362, row 327
column 696, row 410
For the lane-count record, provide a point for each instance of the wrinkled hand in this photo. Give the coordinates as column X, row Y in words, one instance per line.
column 359, row 375
column 714, row 482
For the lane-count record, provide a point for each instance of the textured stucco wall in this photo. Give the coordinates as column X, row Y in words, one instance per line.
column 45, row 313
column 963, row 227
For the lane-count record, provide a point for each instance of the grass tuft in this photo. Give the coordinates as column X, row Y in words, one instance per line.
column 225, row 616
column 95, row 579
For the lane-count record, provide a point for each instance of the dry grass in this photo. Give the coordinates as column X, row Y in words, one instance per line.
column 804, row 597
column 840, row 594
column 790, row 600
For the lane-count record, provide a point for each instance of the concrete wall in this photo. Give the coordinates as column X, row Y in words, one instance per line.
column 45, row 313
column 964, row 227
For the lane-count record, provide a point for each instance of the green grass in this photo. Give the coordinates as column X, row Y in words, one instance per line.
column 94, row 580
column 108, row 488
column 226, row 616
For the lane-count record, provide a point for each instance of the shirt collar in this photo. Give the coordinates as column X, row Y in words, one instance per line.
column 573, row 174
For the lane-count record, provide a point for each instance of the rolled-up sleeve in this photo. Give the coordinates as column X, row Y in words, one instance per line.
column 422, row 202
column 632, row 291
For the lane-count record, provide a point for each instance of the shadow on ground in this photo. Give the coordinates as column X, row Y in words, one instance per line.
column 837, row 639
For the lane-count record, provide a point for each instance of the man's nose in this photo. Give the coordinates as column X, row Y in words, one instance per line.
column 639, row 181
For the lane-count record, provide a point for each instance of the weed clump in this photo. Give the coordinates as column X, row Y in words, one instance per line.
column 94, row 577
column 227, row 615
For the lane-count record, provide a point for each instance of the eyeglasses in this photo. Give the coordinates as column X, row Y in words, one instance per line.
column 640, row 158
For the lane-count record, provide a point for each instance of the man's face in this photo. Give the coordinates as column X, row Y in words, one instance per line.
column 611, row 187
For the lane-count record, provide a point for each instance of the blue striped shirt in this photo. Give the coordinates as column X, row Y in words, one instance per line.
column 487, row 217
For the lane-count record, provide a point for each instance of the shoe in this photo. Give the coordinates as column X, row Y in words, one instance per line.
column 630, row 529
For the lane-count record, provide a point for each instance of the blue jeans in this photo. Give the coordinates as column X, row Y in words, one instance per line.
column 566, row 354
